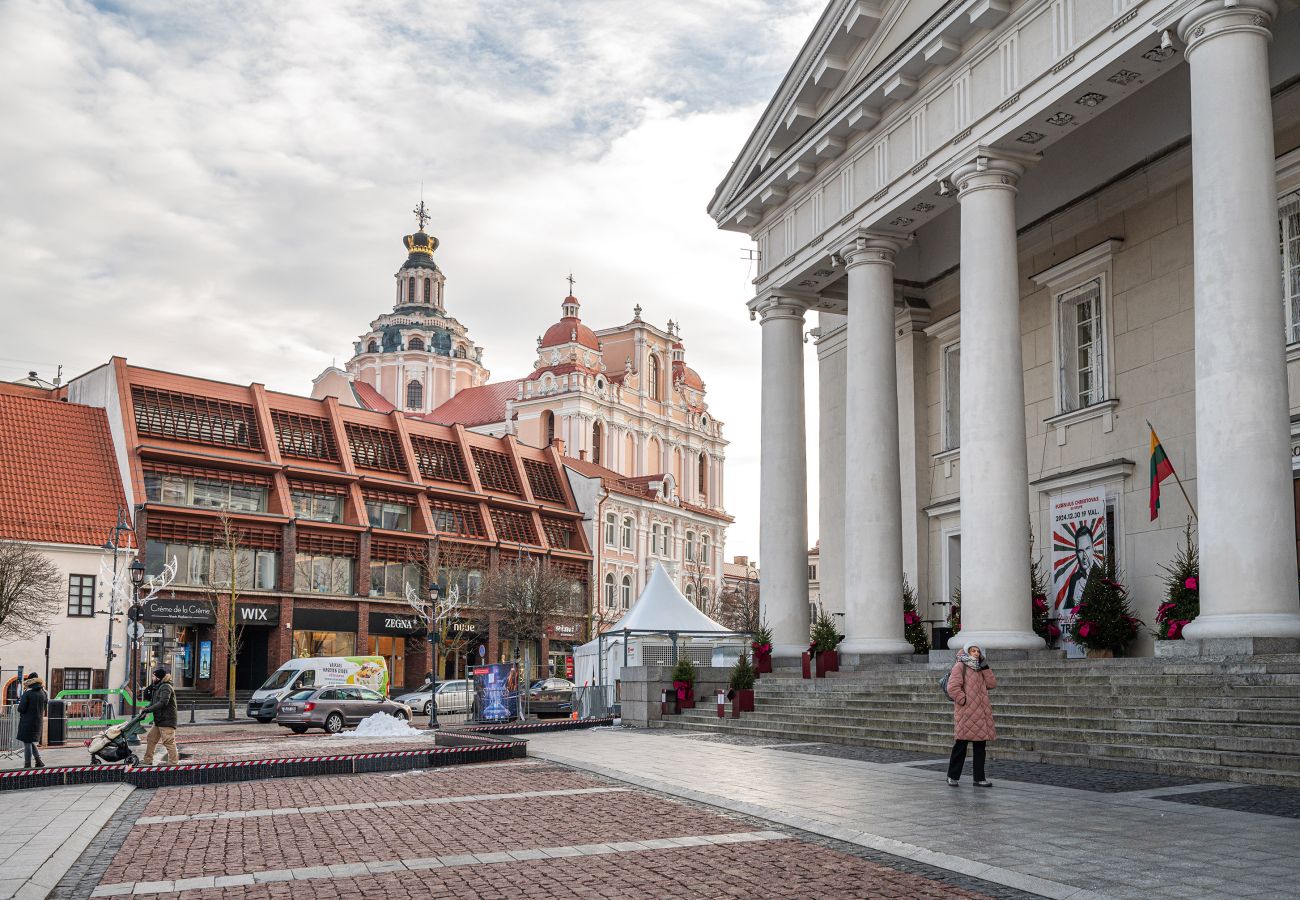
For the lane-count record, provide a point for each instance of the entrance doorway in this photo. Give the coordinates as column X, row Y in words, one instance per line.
column 251, row 664
column 393, row 650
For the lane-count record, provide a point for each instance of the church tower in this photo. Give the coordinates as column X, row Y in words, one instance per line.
column 417, row 357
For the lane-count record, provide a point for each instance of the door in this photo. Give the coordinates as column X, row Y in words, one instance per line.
column 351, row 704
column 370, row 702
column 250, row 664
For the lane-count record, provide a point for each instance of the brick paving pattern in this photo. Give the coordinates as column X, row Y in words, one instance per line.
column 862, row 754
column 1101, row 781
column 89, row 868
column 1267, row 801
column 618, row 842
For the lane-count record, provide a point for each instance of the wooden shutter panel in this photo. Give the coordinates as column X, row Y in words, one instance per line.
column 56, row 682
column 97, row 678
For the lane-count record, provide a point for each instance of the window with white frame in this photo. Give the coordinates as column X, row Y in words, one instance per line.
column 1289, row 227
column 627, row 532
column 609, row 591
column 704, row 549
column 1082, row 337
column 655, row 538
column 611, row 530
column 667, row 549
column 689, row 547
column 690, row 592
column 950, row 399
column 627, row 591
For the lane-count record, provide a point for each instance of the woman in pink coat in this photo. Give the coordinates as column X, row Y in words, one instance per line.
column 969, row 684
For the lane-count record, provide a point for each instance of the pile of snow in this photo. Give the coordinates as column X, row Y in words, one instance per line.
column 383, row 725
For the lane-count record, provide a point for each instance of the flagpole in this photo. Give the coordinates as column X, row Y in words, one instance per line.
column 1175, row 471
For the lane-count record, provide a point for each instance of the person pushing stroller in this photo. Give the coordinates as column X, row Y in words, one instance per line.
column 162, row 703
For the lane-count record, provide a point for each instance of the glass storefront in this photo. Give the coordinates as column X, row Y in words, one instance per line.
column 324, row 643
column 393, row 650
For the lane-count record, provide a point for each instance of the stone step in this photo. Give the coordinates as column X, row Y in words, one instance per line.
column 1085, row 685
column 1253, row 701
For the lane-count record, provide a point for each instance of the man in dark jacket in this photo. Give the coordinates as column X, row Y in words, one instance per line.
column 31, row 718
column 163, row 706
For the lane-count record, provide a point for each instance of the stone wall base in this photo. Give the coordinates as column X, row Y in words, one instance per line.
column 1216, row 647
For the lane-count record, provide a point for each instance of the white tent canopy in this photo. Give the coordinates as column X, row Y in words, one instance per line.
column 660, row 612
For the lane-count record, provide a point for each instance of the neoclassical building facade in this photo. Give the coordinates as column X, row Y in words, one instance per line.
column 1031, row 231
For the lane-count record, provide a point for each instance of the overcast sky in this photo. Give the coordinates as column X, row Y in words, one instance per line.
column 221, row 188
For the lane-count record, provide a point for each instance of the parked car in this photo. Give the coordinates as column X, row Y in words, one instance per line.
column 453, row 697
column 315, row 672
column 334, row 707
column 551, row 697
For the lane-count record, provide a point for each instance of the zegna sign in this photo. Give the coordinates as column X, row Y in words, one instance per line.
column 257, row 614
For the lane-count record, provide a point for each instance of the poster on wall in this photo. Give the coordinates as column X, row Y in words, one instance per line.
column 496, row 692
column 1078, row 546
column 205, row 659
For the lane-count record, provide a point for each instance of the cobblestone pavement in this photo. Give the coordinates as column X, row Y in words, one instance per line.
column 1054, row 841
column 1267, row 801
column 515, row 829
column 1102, row 781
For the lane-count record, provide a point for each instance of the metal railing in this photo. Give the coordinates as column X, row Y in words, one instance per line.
column 595, row 701
column 91, row 710
column 9, row 745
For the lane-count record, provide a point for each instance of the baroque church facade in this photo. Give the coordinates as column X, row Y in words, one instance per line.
column 1031, row 231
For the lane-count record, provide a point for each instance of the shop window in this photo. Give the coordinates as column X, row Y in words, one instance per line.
column 392, row 516
column 439, row 459
column 323, row 643
column 320, row 574
column 208, row 566
column 81, row 595
column 306, row 437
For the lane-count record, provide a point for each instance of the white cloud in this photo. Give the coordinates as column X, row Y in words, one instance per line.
column 220, row 189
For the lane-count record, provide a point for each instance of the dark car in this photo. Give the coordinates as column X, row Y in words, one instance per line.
column 333, row 707
column 551, row 697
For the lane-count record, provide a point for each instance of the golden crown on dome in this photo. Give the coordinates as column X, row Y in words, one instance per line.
column 420, row 244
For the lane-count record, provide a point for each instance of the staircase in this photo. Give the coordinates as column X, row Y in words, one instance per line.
column 1223, row 720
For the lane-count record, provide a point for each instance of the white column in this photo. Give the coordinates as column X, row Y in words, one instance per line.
column 783, row 477
column 995, row 603
column 873, row 523
column 1247, row 525
column 831, row 358
column 913, row 444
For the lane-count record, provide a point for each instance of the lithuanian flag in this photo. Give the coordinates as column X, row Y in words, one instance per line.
column 1161, row 468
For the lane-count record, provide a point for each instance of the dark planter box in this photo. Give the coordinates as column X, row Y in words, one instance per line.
column 827, row 661
column 807, row 664
column 763, row 664
column 742, row 702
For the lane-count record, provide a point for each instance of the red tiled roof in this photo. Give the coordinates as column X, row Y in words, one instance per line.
column 481, row 405
column 370, row 398
column 59, row 479
column 570, row 329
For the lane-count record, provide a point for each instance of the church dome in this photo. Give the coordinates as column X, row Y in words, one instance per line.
column 691, row 378
column 569, row 329
column 419, row 250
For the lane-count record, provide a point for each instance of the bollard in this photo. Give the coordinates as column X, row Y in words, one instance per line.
column 663, row 703
column 722, row 705
column 194, row 706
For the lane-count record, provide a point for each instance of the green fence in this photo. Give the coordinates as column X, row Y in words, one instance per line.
column 94, row 709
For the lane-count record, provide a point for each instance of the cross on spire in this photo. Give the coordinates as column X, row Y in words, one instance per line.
column 572, row 281
column 422, row 214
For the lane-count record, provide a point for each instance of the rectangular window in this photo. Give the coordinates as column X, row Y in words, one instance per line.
column 204, row 493
column 1082, row 363
column 627, row 534
column 318, row 507
column 81, row 595
column 202, row 566
column 321, row 574
column 1290, row 233
column 390, row 579
column 611, row 530
column 393, row 516
column 76, row 679
column 951, row 411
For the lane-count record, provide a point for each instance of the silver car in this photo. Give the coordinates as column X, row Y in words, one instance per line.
column 453, row 697
column 334, row 707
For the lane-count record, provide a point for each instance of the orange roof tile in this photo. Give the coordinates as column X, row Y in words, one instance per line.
column 481, row 405
column 370, row 398
column 59, row 479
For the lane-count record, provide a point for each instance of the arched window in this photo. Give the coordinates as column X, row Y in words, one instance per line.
column 652, row 378
column 627, row 532
column 428, row 290
column 414, row 395
column 627, row 591
column 704, row 475
column 690, row 546
column 415, row 343
column 597, row 441
column 704, row 549
column 410, row 289
column 609, row 591
column 548, row 426
column 372, row 347
column 690, row 592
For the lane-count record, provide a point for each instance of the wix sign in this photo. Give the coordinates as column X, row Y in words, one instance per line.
column 257, row 614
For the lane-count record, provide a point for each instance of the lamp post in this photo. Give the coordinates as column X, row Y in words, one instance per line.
column 137, row 578
column 435, row 593
column 113, row 545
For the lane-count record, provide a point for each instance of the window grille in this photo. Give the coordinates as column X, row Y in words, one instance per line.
column 152, row 467
column 318, row 487
column 541, row 478
column 194, row 419
column 440, row 460
column 374, row 448
column 513, row 526
column 570, row 569
column 304, row 437
column 414, row 395
column 81, row 595
column 559, row 532
column 462, row 556
column 372, row 495
column 327, row 544
column 1083, row 379
column 76, row 679
column 1290, row 233
column 495, row 471
column 415, row 343
column 396, row 551
column 177, row 531
column 450, row 517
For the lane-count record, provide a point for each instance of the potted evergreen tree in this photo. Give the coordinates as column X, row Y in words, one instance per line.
column 1103, row 623
column 913, row 624
column 742, row 686
column 824, row 641
column 1182, row 591
column 762, row 646
column 684, row 683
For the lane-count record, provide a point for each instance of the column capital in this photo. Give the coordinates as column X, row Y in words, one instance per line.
column 1216, row 18
column 989, row 168
column 865, row 247
column 771, row 306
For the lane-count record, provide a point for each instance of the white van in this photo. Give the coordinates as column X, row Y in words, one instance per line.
column 314, row 672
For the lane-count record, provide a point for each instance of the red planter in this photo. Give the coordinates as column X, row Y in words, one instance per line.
column 685, row 694
column 743, row 702
column 763, row 663
column 807, row 664
column 827, row 661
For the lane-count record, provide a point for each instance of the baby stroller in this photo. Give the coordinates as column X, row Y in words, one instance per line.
column 110, row 745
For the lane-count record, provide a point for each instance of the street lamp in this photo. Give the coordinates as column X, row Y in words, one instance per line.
column 136, row 570
column 435, row 592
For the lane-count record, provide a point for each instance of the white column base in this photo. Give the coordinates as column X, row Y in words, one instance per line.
column 789, row 652
column 875, row 647
column 1243, row 625
column 998, row 640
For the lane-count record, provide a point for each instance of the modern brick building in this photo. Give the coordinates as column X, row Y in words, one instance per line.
column 337, row 509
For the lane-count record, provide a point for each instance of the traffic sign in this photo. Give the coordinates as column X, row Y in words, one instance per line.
column 482, row 651
column 134, row 612
column 135, row 630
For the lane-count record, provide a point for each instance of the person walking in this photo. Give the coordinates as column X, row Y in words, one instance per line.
column 31, row 718
column 969, row 684
column 162, row 703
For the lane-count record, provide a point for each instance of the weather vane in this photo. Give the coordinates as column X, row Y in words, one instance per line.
column 572, row 281
column 422, row 214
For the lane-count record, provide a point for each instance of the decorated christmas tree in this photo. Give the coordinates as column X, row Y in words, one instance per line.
column 1182, row 591
column 1103, row 620
column 1044, row 627
column 954, row 611
column 824, row 635
column 913, row 624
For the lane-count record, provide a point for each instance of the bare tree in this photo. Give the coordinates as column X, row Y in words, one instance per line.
column 30, row 590
column 738, row 608
column 458, row 569
column 528, row 594
column 232, row 570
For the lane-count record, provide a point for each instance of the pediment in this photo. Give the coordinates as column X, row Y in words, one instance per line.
column 861, row 57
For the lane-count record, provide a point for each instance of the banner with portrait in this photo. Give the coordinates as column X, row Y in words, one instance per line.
column 1078, row 547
